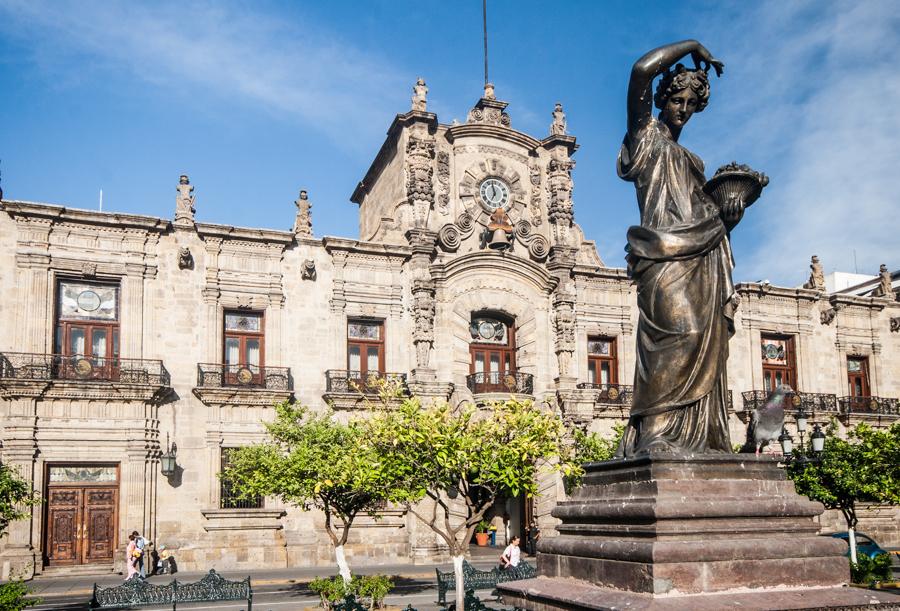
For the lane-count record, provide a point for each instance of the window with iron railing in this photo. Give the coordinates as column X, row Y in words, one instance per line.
column 229, row 496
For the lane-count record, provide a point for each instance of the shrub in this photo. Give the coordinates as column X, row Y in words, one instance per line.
column 371, row 590
column 12, row 596
column 330, row 589
column 869, row 570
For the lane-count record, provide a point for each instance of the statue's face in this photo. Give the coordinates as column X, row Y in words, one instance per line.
column 679, row 108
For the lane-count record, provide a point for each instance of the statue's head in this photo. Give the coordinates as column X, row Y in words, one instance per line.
column 681, row 92
column 183, row 180
column 815, row 259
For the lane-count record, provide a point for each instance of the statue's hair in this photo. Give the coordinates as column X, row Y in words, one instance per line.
column 679, row 79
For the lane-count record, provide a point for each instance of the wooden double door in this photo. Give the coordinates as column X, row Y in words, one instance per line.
column 81, row 524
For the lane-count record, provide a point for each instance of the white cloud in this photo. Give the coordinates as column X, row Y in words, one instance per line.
column 297, row 69
column 817, row 98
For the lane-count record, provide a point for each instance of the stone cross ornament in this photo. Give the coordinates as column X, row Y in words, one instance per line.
column 680, row 257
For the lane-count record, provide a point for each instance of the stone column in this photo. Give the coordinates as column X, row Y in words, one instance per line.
column 21, row 546
column 562, row 261
column 423, row 245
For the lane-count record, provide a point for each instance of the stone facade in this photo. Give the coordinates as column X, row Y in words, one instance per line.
column 424, row 268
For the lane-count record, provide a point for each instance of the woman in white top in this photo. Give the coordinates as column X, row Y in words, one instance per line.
column 511, row 555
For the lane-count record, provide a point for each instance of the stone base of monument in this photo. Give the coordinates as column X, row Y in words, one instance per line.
column 688, row 532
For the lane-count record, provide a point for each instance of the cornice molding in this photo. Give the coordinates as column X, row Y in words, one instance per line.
column 241, row 397
column 456, row 133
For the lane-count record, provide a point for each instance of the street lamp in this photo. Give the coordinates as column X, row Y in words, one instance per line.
column 818, row 441
column 787, row 443
column 167, row 463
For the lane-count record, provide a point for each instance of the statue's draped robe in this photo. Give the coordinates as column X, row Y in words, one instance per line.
column 681, row 259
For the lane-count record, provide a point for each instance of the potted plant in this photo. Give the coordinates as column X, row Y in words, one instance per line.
column 481, row 533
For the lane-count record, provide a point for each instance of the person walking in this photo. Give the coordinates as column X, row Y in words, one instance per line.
column 132, row 554
column 509, row 559
column 141, row 545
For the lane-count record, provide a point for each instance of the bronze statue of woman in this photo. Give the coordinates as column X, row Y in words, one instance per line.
column 680, row 257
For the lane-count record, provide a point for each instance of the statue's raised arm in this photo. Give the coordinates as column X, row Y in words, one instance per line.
column 656, row 62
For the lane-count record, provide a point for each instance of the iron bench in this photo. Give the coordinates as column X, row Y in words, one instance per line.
column 136, row 592
column 475, row 579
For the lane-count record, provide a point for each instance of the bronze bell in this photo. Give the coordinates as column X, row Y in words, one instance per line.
column 499, row 240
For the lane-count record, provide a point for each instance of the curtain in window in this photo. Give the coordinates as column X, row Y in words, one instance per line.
column 253, row 352
column 76, row 342
column 98, row 345
column 232, row 351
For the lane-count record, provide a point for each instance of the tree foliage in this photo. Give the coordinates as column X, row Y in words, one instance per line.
column 481, row 455
column 590, row 447
column 15, row 498
column 863, row 468
column 312, row 461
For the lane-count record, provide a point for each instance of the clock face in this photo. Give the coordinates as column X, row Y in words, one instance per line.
column 494, row 193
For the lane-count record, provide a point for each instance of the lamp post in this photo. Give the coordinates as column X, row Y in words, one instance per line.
column 817, row 441
column 167, row 463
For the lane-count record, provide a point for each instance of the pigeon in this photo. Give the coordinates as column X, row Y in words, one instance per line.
column 767, row 422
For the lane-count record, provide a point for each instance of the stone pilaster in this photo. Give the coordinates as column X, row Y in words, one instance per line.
column 562, row 261
column 423, row 303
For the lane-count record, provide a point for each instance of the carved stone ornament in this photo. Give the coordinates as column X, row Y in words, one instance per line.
column 308, row 270
column 538, row 245
column 564, row 323
column 884, row 288
column 423, row 315
column 184, row 201
column 420, row 96
column 88, row 269
column 489, row 110
column 303, row 222
column 558, row 127
column 534, row 174
column 185, row 258
column 895, row 324
column 443, row 168
column 816, row 275
column 449, row 237
column 826, row 317
column 419, row 173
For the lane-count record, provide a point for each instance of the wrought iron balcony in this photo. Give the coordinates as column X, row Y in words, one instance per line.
column 610, row 394
column 515, row 382
column 883, row 406
column 810, row 402
column 30, row 366
column 220, row 375
column 348, row 381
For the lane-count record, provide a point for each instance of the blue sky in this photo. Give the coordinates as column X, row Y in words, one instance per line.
column 255, row 100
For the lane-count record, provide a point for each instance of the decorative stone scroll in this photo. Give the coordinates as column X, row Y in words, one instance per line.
column 419, row 173
column 895, row 324
column 489, row 110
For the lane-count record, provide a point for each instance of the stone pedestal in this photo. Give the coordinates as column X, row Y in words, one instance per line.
column 664, row 526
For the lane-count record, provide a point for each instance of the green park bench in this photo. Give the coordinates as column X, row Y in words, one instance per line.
column 137, row 592
column 474, row 579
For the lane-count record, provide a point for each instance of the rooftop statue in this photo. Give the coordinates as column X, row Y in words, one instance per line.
column 558, row 127
column 816, row 275
column 680, row 257
column 420, row 95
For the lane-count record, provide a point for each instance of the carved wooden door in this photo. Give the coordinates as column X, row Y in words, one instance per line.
column 81, row 524
column 99, row 524
column 64, row 525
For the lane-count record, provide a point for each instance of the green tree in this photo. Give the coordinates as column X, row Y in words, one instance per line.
column 473, row 456
column 865, row 468
column 15, row 498
column 311, row 460
column 590, row 447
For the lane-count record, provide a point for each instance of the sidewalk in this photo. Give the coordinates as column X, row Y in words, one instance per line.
column 82, row 585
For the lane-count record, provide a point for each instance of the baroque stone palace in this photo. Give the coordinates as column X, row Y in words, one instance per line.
column 127, row 335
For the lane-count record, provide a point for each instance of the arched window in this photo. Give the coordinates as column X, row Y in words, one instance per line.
column 492, row 351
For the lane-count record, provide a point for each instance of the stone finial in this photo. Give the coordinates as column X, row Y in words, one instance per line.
column 885, row 287
column 489, row 91
column 816, row 275
column 303, row 222
column 420, row 95
column 558, row 127
column 184, row 202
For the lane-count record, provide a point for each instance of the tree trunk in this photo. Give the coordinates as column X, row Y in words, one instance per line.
column 343, row 567
column 852, row 537
column 460, row 587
